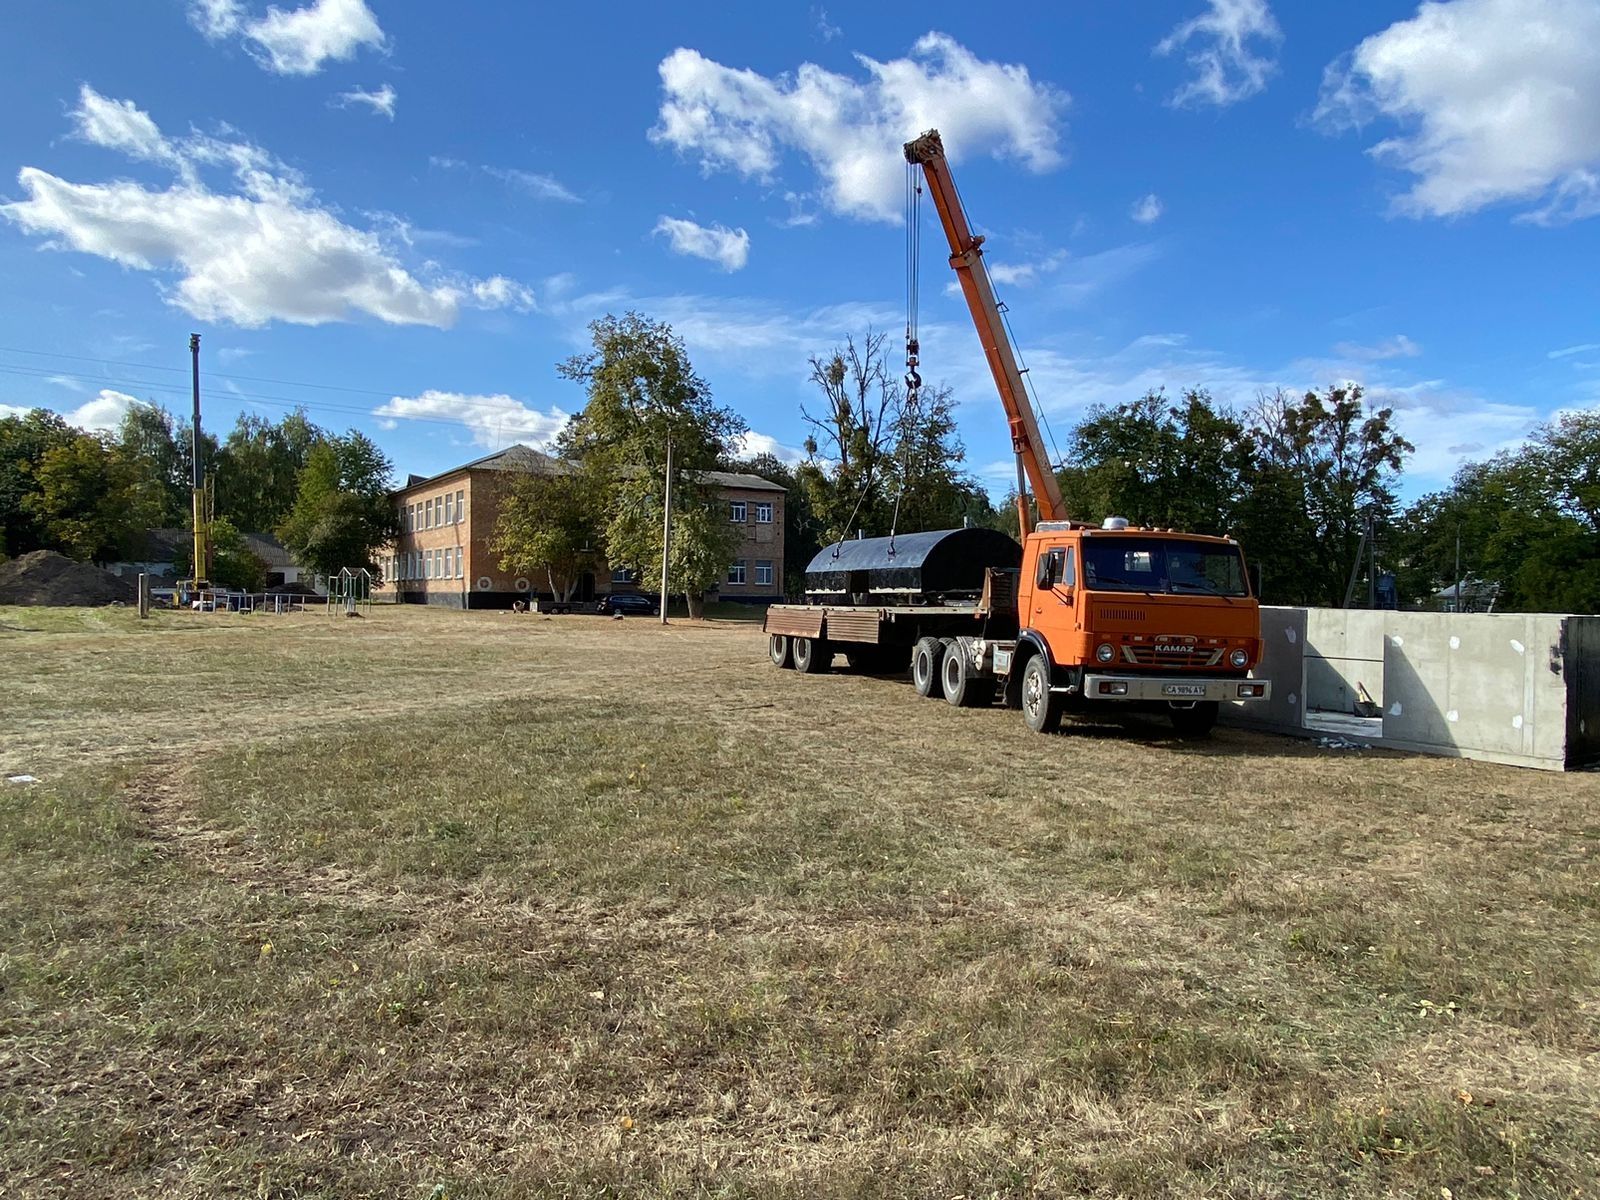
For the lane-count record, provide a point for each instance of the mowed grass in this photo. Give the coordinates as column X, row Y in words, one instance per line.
column 472, row 905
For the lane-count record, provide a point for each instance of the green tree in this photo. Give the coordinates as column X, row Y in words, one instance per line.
column 342, row 513
column 550, row 524
column 849, row 448
column 642, row 393
column 925, row 484
column 89, row 502
column 233, row 565
column 147, row 440
column 1342, row 460
column 258, row 468
column 24, row 442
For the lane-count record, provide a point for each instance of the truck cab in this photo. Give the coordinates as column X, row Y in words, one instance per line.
column 1139, row 616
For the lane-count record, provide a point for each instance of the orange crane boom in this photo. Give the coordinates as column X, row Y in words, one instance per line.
column 966, row 256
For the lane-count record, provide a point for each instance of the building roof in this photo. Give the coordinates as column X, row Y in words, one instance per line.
column 526, row 458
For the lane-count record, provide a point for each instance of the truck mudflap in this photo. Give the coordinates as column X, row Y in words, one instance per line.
column 1173, row 690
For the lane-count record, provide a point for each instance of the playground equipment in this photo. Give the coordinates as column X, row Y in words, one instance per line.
column 350, row 591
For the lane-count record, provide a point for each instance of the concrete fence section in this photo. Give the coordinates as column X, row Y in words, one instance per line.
column 1512, row 688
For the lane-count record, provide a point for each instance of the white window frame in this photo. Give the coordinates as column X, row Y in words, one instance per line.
column 763, row 568
column 736, row 572
column 738, row 513
column 763, row 512
column 461, row 562
column 449, row 508
column 427, row 514
column 449, row 562
column 461, row 505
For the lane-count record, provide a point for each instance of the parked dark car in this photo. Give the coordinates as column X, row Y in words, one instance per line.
column 635, row 603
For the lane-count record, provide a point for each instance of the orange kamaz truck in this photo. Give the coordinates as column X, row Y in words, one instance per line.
column 1079, row 615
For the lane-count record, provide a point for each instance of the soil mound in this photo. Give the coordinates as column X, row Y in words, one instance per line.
column 45, row 577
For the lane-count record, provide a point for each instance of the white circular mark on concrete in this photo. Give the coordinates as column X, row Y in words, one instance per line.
column 1288, row 632
column 1452, row 715
column 1293, row 700
column 1398, row 640
column 1394, row 709
column 1455, row 643
column 1517, row 646
column 1516, row 721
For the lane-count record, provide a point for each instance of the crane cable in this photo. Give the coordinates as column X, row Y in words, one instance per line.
column 909, row 409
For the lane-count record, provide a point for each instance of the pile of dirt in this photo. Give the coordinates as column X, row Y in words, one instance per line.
column 45, row 577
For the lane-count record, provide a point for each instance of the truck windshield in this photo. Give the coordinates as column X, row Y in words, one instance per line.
column 1132, row 564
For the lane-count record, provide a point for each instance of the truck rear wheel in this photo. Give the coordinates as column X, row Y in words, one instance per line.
column 927, row 657
column 1041, row 708
column 811, row 655
column 778, row 650
column 963, row 686
column 1195, row 721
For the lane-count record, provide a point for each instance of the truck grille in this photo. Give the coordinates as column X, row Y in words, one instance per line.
column 1187, row 656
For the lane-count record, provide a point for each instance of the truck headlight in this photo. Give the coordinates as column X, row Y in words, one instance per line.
column 1238, row 658
column 1105, row 653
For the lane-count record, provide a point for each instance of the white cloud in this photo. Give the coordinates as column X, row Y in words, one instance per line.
column 1018, row 274
column 120, row 125
column 748, row 445
column 265, row 250
column 728, row 248
column 1498, row 101
column 499, row 292
column 539, row 186
column 1398, row 346
column 826, row 29
column 1568, row 351
column 851, row 130
column 381, row 102
column 297, row 41
column 1226, row 67
column 495, row 421
column 1147, row 209
column 71, row 382
column 104, row 413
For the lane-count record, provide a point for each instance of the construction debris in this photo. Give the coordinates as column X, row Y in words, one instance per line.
column 47, row 578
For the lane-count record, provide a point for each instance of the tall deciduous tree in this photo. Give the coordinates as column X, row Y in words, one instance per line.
column 642, row 393
column 258, row 468
column 1345, row 460
column 848, row 448
column 148, row 440
column 24, row 442
column 89, row 502
column 342, row 513
column 550, row 524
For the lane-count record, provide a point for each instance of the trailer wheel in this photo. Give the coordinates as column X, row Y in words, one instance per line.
column 779, row 651
column 926, row 660
column 964, row 687
column 1196, row 721
column 1041, row 708
column 812, row 656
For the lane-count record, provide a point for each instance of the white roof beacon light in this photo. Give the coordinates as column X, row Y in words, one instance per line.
column 1114, row 523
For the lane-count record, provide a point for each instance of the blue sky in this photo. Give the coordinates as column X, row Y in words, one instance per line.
column 402, row 220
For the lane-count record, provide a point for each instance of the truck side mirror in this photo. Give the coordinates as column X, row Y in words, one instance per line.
column 1255, row 580
column 1046, row 575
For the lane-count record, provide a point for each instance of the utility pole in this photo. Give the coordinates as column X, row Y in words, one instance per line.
column 200, row 567
column 666, row 532
column 1372, row 565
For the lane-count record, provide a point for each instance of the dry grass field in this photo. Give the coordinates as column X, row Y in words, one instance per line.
column 471, row 905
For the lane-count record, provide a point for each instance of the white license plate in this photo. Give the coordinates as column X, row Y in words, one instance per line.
column 1184, row 689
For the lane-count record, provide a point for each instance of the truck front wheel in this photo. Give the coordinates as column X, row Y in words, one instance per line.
column 1041, row 708
column 927, row 659
column 1195, row 721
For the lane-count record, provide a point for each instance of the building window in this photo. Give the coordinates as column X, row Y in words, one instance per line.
column 736, row 512
column 428, row 564
column 427, row 514
column 736, row 573
column 461, row 506
column 461, row 558
column 764, row 513
column 764, row 574
column 449, row 563
column 449, row 509
column 408, row 520
column 621, row 575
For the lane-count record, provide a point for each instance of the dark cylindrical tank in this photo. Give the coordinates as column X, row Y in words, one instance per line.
column 932, row 565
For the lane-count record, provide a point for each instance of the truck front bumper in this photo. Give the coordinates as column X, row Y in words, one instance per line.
column 1172, row 690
